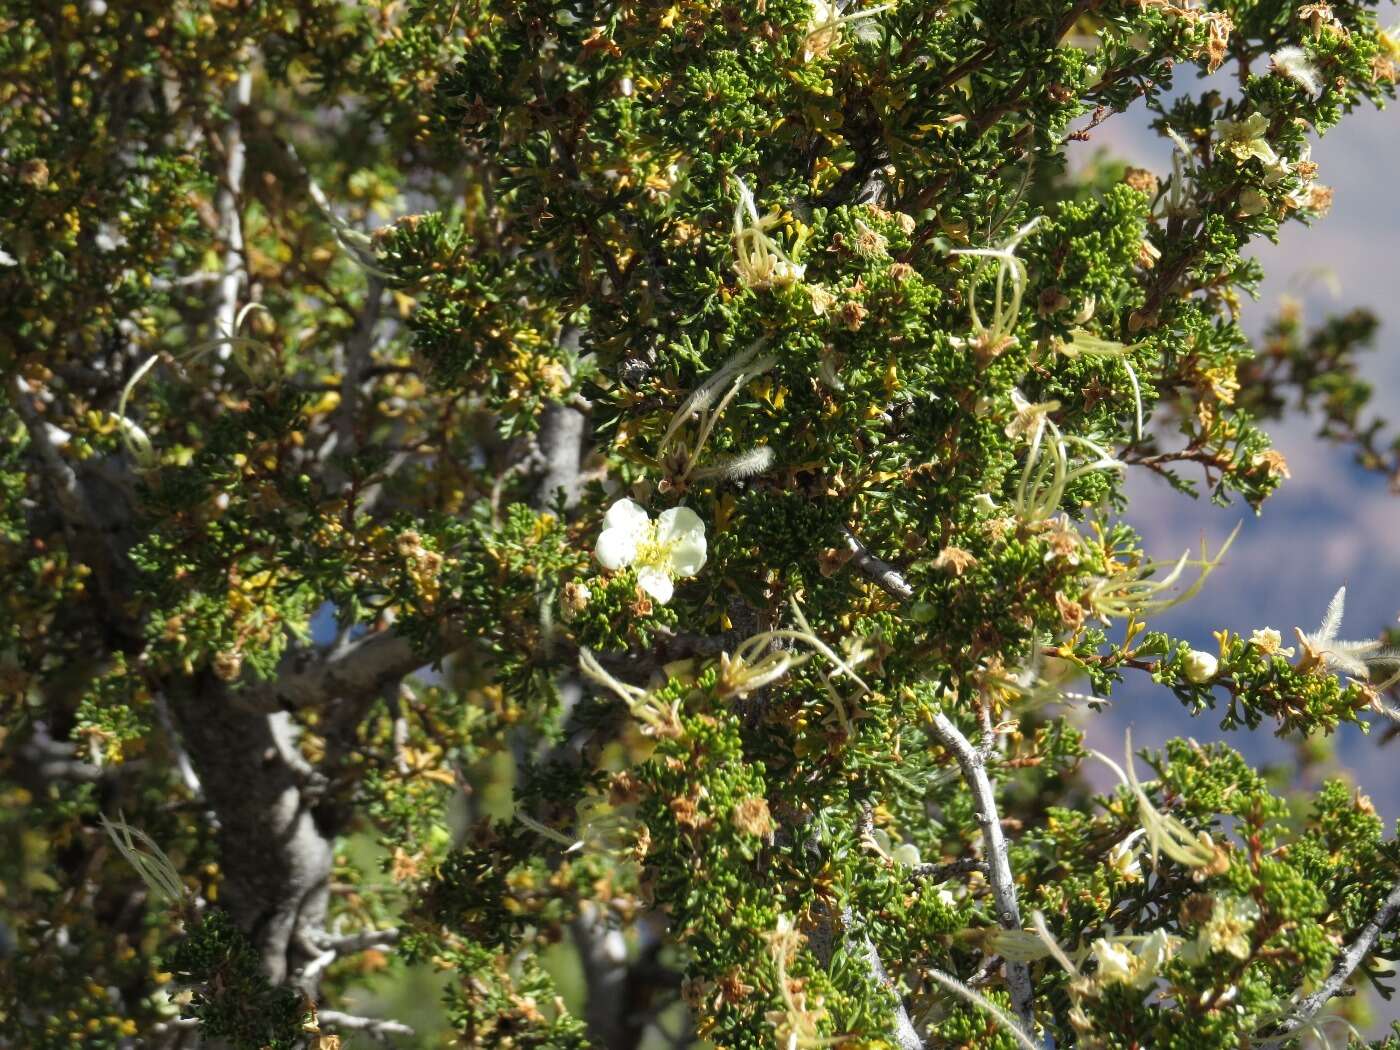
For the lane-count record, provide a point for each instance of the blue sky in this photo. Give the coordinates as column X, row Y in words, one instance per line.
column 1332, row 523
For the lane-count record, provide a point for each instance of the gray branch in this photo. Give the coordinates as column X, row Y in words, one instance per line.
column 228, row 204
column 359, row 356
column 1003, row 882
column 276, row 853
column 364, row 667
column 350, row 943
column 603, row 955
column 561, row 444
column 371, row 1026
column 96, row 534
column 905, row 1033
column 904, row 1029
column 946, row 870
column 51, row 759
column 1351, row 958
column 881, row 572
column 563, row 435
column 46, row 440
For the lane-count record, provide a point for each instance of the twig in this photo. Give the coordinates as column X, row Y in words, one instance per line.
column 57, row 760
column 365, row 665
column 964, row 866
column 400, row 727
column 904, row 1028
column 46, row 440
column 1350, row 959
column 175, row 1024
column 880, row 572
column 904, row 1031
column 312, row 971
column 358, row 357
column 229, row 206
column 363, row 941
column 372, row 1026
column 182, row 757
column 974, row 770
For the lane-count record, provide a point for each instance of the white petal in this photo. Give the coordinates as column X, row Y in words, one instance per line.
column 682, row 532
column 628, row 516
column 674, row 523
column 656, row 583
column 615, row 549
column 687, row 557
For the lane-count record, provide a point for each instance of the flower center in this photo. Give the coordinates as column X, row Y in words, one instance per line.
column 654, row 552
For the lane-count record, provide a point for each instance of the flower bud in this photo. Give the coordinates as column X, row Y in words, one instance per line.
column 1200, row 667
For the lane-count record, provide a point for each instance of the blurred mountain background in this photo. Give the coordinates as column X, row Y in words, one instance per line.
column 1333, row 523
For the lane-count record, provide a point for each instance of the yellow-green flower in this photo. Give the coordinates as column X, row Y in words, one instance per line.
column 1243, row 139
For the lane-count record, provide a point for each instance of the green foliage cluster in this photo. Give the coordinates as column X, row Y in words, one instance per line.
column 233, row 999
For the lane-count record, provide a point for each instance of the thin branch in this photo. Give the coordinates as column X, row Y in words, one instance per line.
column 363, row 941
column 974, row 770
column 371, row 1026
column 364, row 666
column 175, row 1024
column 905, row 1031
column 182, row 757
column 1346, row 965
column 54, row 760
column 881, row 572
column 47, row 440
column 906, row 1035
column 229, row 206
column 563, row 435
column 940, row 872
column 91, row 522
column 358, row 357
column 561, row 444
column 312, row 971
column 603, row 956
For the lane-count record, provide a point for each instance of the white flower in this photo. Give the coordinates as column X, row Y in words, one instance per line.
column 660, row 551
column 1268, row 641
column 1227, row 929
column 759, row 260
column 1200, row 667
column 1030, row 416
column 6, row 259
column 1292, row 62
column 1244, row 139
column 108, row 239
column 1117, row 965
column 1123, row 859
column 1156, row 950
column 1252, row 202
